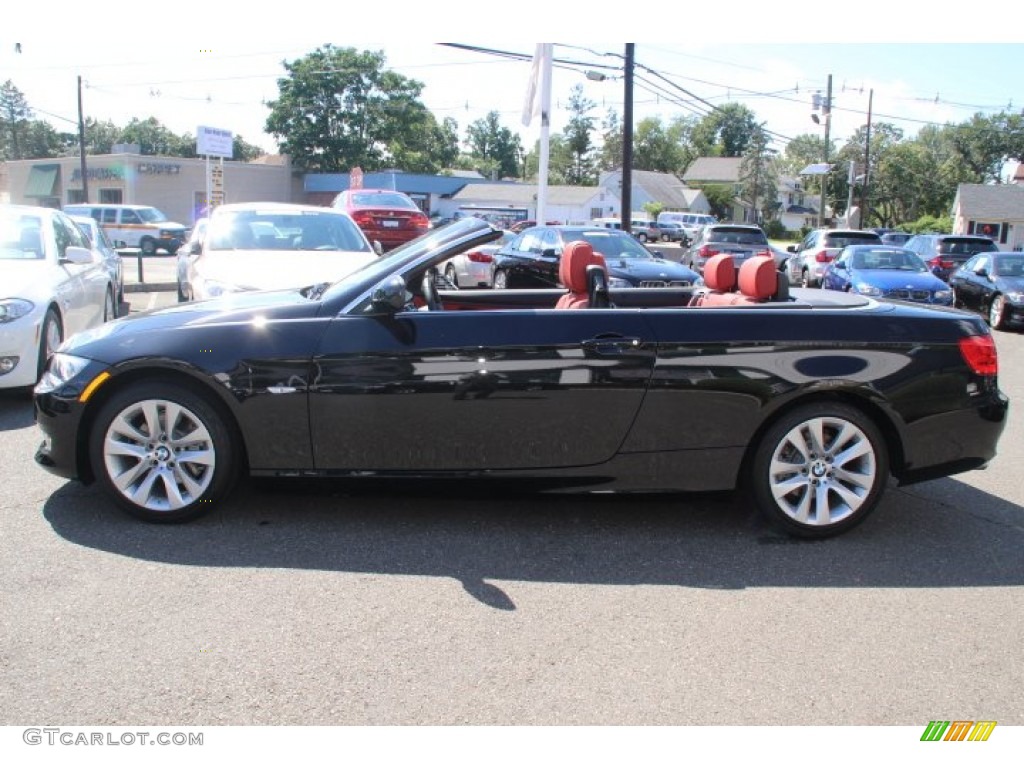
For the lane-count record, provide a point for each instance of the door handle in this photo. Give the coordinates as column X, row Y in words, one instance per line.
column 612, row 345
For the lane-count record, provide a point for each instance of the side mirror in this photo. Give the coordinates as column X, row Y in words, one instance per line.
column 378, row 248
column 74, row 254
column 551, row 253
column 791, row 249
column 195, row 249
column 981, row 272
column 390, row 295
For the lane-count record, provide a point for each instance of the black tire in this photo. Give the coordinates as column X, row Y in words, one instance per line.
column 109, row 306
column 805, row 280
column 500, row 281
column 825, row 496
column 148, row 246
column 997, row 312
column 181, row 294
column 50, row 336
column 450, row 276
column 166, row 486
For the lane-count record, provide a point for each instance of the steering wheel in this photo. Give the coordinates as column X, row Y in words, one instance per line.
column 429, row 290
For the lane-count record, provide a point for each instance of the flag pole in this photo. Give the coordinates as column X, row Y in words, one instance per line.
column 545, row 133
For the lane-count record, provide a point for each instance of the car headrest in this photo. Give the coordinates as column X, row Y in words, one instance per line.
column 759, row 278
column 572, row 270
column 720, row 273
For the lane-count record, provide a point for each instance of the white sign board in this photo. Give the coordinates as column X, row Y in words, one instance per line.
column 215, row 142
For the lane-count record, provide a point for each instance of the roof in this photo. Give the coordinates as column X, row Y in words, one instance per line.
column 722, row 170
column 525, row 194
column 1002, row 202
column 667, row 188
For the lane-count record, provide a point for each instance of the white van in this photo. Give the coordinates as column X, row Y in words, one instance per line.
column 692, row 223
column 137, row 226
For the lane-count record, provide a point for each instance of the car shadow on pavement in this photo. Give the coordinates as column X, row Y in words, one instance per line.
column 16, row 410
column 939, row 534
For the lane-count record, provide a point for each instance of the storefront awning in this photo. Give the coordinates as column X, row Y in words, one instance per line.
column 41, row 180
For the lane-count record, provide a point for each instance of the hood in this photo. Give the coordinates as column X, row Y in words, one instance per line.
column 649, row 269
column 109, row 341
column 274, row 270
column 31, row 279
column 892, row 279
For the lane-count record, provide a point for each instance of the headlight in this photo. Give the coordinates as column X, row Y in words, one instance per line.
column 618, row 282
column 12, row 309
column 944, row 295
column 61, row 369
column 1017, row 297
column 867, row 290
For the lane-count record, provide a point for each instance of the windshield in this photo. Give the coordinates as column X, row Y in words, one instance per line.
column 738, row 235
column 413, row 254
column 382, row 200
column 273, row 230
column 965, row 246
column 610, row 243
column 151, row 215
column 843, row 239
column 21, row 236
column 887, row 258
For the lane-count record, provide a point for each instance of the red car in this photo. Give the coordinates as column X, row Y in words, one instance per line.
column 389, row 217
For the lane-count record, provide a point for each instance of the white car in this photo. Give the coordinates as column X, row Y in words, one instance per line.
column 472, row 268
column 273, row 246
column 108, row 253
column 52, row 285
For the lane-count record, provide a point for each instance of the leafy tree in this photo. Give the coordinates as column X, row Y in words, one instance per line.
column 244, row 151
column 759, row 177
column 15, row 114
column 720, row 198
column 100, row 137
column 582, row 170
column 339, row 108
column 654, row 148
column 39, row 139
column 803, row 150
column 489, row 140
column 154, row 138
column 610, row 155
column 560, row 161
column 726, row 132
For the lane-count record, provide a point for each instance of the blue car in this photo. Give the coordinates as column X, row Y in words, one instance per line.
column 886, row 272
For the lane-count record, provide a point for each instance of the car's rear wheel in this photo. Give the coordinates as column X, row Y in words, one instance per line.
column 997, row 312
column 500, row 280
column 819, row 470
column 805, row 279
column 450, row 276
column 109, row 306
column 163, row 452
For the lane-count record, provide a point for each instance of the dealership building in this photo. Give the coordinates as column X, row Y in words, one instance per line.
column 175, row 185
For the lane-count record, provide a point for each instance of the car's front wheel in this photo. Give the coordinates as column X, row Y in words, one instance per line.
column 500, row 282
column 450, row 276
column 997, row 312
column 819, row 470
column 163, row 452
column 50, row 337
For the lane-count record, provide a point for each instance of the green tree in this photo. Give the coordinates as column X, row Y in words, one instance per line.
column 984, row 144
column 582, row 170
column 339, row 108
column 725, row 132
column 720, row 198
column 15, row 115
column 154, row 138
column 803, row 150
column 100, row 137
column 610, row 155
column 560, row 161
column 759, row 177
column 489, row 140
column 654, row 148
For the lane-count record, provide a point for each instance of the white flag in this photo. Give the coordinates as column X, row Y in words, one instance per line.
column 532, row 106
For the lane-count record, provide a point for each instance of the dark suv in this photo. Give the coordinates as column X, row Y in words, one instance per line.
column 944, row 254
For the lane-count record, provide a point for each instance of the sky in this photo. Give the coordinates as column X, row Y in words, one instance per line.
column 217, row 65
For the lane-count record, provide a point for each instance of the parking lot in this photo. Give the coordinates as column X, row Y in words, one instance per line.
column 330, row 604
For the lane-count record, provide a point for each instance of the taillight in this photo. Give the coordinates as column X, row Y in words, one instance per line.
column 822, row 257
column 940, row 263
column 479, row 257
column 766, row 254
column 420, row 221
column 979, row 352
column 706, row 252
column 363, row 219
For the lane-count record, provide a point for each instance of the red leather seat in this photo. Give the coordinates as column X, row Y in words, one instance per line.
column 719, row 279
column 758, row 280
column 572, row 273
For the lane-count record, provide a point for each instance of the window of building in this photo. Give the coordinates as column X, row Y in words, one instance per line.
column 76, row 196
column 111, row 196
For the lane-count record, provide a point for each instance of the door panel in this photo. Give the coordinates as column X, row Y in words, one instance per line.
column 465, row 390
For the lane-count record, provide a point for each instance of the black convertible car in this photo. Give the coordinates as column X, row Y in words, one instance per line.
column 809, row 401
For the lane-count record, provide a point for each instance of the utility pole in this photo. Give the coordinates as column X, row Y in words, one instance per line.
column 627, row 144
column 81, row 144
column 827, row 111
